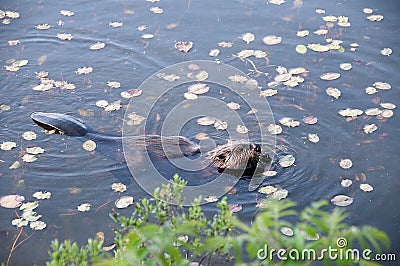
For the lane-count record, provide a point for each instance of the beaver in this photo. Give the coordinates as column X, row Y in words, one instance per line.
column 235, row 156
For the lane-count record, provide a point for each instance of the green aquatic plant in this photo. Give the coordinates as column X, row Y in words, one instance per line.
column 163, row 232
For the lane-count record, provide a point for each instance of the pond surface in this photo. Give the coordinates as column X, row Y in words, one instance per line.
column 75, row 176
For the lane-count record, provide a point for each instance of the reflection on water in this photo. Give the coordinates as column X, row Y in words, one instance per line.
column 74, row 176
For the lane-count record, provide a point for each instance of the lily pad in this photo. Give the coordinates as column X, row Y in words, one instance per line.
column 289, row 122
column 346, row 182
column 118, row 187
column 287, row 160
column 248, row 37
column 233, row 105
column 382, row 85
column 37, row 225
column 42, row 195
column 388, row 105
column 272, row 40
column 345, row 163
column 342, row 200
column 11, row 201
column 29, row 158
column 124, row 202
column 366, row 187
column 29, row 135
column 268, row 93
column 8, row 145
column 311, row 120
column 198, row 88
column 35, row 150
column 333, row 92
column 206, row 121
column 183, row 47
column 89, row 145
column 274, row 129
column 330, row 76
column 235, row 208
column 267, row 190
column 84, row 207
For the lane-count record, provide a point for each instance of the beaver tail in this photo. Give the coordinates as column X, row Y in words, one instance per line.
column 61, row 123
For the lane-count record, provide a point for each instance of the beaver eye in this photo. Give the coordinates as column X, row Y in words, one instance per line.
column 221, row 156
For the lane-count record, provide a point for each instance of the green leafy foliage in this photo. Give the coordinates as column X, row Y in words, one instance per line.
column 163, row 232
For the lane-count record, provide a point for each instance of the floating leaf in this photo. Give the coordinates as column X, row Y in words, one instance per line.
column 370, row 90
column 198, row 88
column 274, row 129
column 297, row 70
column 302, row 33
column 190, row 96
column 279, row 194
column 388, row 105
column 11, row 201
column 368, row 10
column 225, row 44
column 382, row 85
column 287, row 231
column 321, row 32
column 348, row 112
column 28, row 206
column 97, row 46
column 346, row 182
column 233, row 105
column 211, row 199
column 135, row 119
column 43, row 26
column 301, row 49
column 4, row 107
column 386, row 113
column 242, row 129
column 373, row 111
column 8, row 145
column 272, row 40
column 118, row 187
column 113, row 84
column 13, row 42
column 84, row 207
column 114, row 106
column 201, row 76
column 42, row 195
column 342, row 200
column 64, row 36
column 20, row 63
column 268, row 93
column 318, row 47
column 37, row 225
column 235, row 208
column 206, row 121
column 375, row 18
column 267, row 190
column 269, row 173
column 131, row 93
column 115, row 24
column 19, row 222
column 101, row 103
column 287, row 160
column 282, row 77
column 214, row 52
column 67, row 13
column 183, row 47
column 276, row 2
column 238, row 78
column 386, row 51
column 311, row 120
column 156, row 10
column 201, row 136
column 313, row 138
column 89, row 145
column 245, row 53
column 29, row 158
column 220, row 125
column 15, row 165
column 333, row 92
column 124, row 202
column 35, row 150
column 43, row 87
column 345, row 163
column 366, row 187
column 346, row 66
column 289, row 122
column 84, row 70
column 248, row 37
column 147, row 36
column 330, row 76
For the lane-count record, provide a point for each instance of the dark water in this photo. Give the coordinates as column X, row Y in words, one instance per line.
column 129, row 59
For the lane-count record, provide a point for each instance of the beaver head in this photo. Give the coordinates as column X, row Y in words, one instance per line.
column 235, row 155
